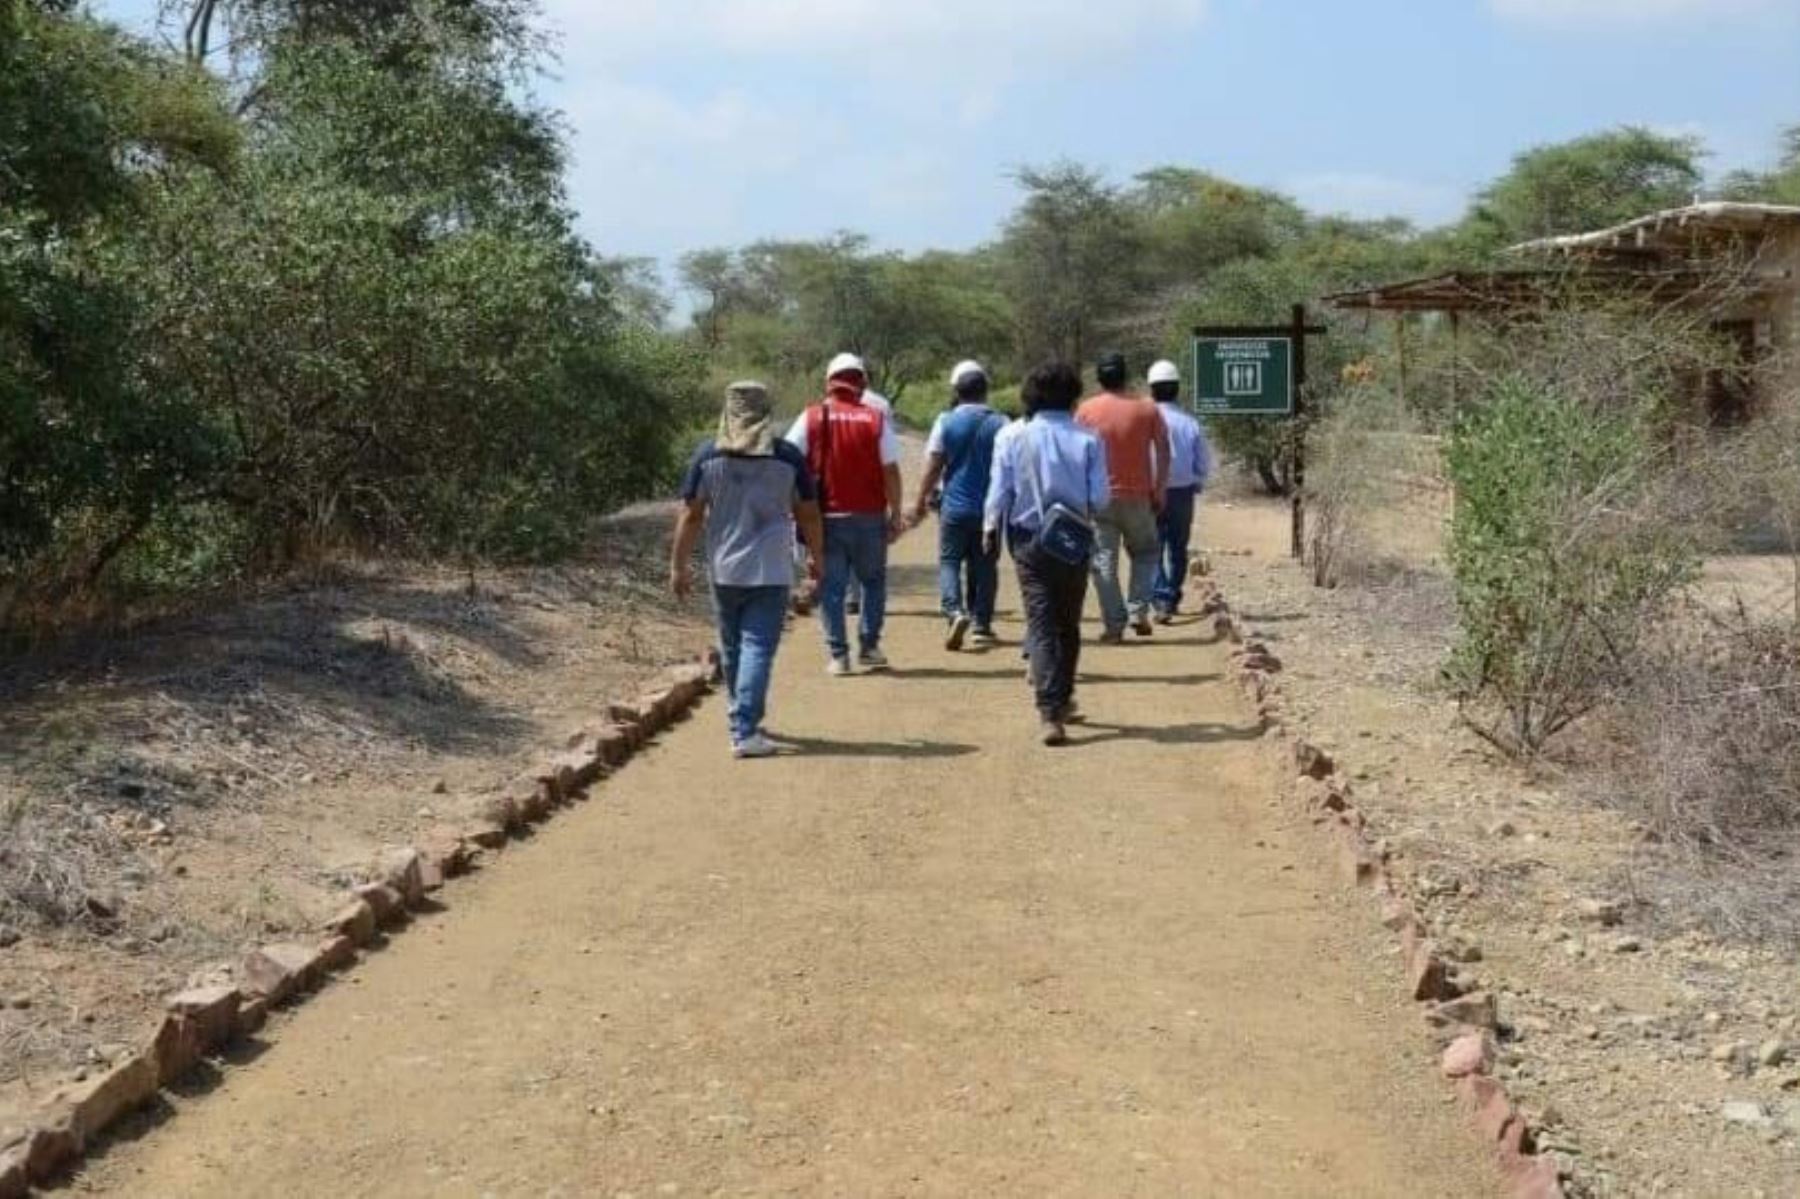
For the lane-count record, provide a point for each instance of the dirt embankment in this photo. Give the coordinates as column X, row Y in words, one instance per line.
column 1661, row 1057
column 215, row 781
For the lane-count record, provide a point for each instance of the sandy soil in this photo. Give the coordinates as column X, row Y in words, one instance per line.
column 1637, row 1043
column 922, row 955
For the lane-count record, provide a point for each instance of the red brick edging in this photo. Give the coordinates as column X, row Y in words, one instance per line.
column 205, row 1020
column 1467, row 1018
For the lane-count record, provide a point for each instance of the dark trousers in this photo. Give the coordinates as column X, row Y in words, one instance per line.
column 1054, row 593
column 1175, row 525
column 960, row 557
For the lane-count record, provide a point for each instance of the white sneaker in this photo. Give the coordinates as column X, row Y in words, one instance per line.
column 839, row 668
column 959, row 629
column 754, row 746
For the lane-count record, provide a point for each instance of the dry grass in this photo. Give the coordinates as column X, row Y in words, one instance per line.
column 54, row 860
column 1705, row 751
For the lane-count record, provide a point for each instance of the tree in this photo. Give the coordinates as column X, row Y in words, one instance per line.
column 1588, row 183
column 1069, row 258
column 1781, row 185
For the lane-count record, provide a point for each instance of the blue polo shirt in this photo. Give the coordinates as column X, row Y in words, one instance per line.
column 965, row 437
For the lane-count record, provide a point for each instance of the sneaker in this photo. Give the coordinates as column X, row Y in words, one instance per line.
column 1166, row 616
column 839, row 668
column 959, row 628
column 1053, row 734
column 1113, row 637
column 1142, row 626
column 1070, row 713
column 872, row 659
column 985, row 639
column 754, row 746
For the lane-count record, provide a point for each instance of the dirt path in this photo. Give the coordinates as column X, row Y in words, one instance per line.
column 924, row 957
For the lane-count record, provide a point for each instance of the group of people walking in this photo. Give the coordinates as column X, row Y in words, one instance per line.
column 1103, row 488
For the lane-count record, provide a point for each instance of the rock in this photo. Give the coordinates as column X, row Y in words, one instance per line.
column 1772, row 1053
column 338, row 953
column 613, row 744
column 15, row 1173
column 356, row 921
column 211, row 1013
column 1314, row 763
column 389, row 904
column 1605, row 912
column 280, row 971
column 1502, row 829
column 252, row 1016
column 9, row 936
column 50, row 1146
column 1469, row 1054
column 445, row 848
column 1747, row 1114
column 399, row 869
column 441, row 787
column 486, row 834
column 1474, row 1010
column 1427, row 977
column 95, row 1103
column 103, row 907
column 1713, row 1021
column 1628, row 945
column 629, row 715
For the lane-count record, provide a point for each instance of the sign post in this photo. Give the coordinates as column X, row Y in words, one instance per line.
column 1260, row 371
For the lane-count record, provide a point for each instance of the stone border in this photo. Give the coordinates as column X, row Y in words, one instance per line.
column 205, row 1020
column 1466, row 1019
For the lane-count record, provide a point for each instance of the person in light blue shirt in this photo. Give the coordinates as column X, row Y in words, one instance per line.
column 1190, row 468
column 960, row 455
column 1049, row 460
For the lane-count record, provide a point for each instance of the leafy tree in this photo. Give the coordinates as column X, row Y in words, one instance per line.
column 1069, row 258
column 1781, row 185
column 1587, row 183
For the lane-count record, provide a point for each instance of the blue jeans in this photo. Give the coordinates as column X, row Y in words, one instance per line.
column 750, row 622
column 1176, row 527
column 855, row 547
column 960, row 553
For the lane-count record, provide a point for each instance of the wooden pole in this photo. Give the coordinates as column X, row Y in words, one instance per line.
column 1400, row 351
column 1299, row 438
column 1455, row 363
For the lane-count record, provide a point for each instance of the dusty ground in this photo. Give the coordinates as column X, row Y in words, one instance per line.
column 921, row 956
column 1638, row 1043
column 210, row 782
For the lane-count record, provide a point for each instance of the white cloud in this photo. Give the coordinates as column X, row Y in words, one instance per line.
column 1630, row 14
column 965, row 35
column 1359, row 194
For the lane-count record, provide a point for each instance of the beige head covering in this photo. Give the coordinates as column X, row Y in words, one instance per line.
column 747, row 425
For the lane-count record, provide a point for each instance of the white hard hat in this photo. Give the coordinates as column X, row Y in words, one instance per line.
column 1165, row 372
column 966, row 368
column 843, row 363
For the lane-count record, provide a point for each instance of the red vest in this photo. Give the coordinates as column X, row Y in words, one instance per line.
column 846, row 459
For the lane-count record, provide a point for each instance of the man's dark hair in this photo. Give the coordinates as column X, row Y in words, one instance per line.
column 973, row 389
column 1053, row 387
column 1112, row 371
column 1165, row 393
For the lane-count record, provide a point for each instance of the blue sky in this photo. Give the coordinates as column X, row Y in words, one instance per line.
column 704, row 122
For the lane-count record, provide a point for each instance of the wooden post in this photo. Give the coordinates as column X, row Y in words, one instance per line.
column 1400, row 351
column 1299, row 440
column 1455, row 363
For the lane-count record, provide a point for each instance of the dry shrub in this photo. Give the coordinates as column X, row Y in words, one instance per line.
column 1366, row 456
column 1706, row 753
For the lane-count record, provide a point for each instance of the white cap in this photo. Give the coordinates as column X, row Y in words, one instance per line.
column 966, row 368
column 845, row 362
column 1164, row 372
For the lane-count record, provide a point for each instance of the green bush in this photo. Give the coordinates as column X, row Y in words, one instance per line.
column 1564, row 546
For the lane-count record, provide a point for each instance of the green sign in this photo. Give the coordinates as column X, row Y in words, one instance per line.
column 1244, row 376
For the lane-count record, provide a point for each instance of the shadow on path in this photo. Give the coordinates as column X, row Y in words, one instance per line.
column 820, row 747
